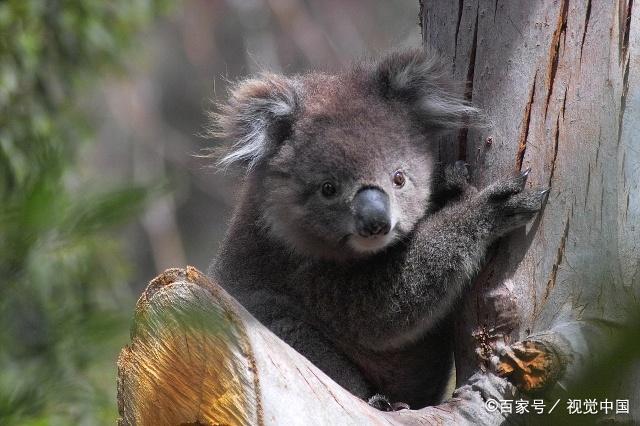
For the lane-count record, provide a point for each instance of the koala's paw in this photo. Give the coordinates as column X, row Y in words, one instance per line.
column 456, row 176
column 512, row 205
column 381, row 403
column 452, row 184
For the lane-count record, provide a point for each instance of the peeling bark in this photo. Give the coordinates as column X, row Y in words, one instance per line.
column 524, row 133
column 586, row 28
column 552, row 67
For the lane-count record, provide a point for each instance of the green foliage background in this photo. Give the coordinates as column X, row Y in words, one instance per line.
column 62, row 280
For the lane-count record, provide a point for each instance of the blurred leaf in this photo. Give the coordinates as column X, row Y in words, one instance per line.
column 97, row 212
column 64, row 298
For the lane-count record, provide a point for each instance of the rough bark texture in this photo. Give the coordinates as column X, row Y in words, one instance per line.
column 559, row 83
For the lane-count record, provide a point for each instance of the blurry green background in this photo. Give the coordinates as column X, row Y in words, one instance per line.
column 101, row 103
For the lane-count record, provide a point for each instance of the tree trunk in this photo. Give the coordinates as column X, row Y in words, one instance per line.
column 558, row 81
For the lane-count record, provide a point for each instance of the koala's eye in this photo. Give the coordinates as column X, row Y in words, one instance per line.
column 328, row 189
column 398, row 179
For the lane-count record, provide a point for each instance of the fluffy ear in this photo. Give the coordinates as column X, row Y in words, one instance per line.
column 422, row 81
column 257, row 117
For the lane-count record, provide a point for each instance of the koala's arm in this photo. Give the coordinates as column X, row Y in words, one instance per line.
column 448, row 247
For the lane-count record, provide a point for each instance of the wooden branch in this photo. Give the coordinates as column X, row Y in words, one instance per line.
column 197, row 357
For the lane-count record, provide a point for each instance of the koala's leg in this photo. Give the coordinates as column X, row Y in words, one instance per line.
column 322, row 353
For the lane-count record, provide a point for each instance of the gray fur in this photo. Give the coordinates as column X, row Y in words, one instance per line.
column 373, row 313
column 423, row 82
column 251, row 116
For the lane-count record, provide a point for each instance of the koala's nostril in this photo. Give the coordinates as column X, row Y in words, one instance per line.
column 380, row 228
column 386, row 228
column 374, row 227
column 372, row 213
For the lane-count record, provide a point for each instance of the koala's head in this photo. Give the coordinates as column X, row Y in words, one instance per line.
column 340, row 165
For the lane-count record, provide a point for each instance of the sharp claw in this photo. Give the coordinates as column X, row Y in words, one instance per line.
column 525, row 173
column 381, row 403
column 397, row 406
column 544, row 192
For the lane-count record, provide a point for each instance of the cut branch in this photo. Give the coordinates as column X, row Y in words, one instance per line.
column 197, row 357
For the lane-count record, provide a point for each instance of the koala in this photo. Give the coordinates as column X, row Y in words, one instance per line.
column 348, row 241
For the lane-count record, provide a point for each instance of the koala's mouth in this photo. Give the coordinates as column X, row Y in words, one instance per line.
column 370, row 244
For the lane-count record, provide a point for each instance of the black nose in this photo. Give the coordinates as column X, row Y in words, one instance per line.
column 371, row 206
